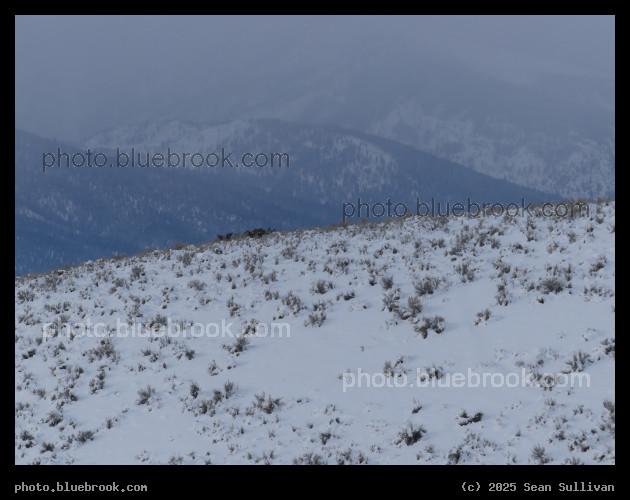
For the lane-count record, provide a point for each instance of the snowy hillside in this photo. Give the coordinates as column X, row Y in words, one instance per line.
column 377, row 343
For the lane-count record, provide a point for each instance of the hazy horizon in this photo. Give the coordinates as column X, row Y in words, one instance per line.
column 79, row 75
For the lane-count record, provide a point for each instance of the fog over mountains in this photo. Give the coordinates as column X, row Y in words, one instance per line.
column 555, row 134
column 365, row 106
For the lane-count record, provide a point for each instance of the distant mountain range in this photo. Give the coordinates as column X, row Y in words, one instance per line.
column 552, row 131
column 68, row 215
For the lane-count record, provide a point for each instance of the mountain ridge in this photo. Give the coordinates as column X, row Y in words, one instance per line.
column 125, row 210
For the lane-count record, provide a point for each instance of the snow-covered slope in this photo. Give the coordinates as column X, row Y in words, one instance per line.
column 512, row 299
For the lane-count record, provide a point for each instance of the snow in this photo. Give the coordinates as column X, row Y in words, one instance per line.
column 318, row 416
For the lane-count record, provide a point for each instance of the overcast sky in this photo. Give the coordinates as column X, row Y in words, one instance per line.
column 78, row 74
